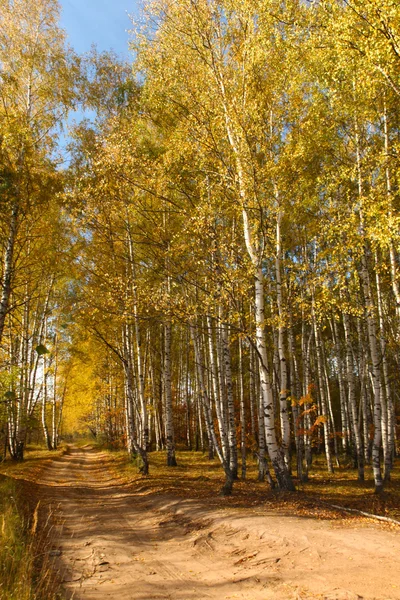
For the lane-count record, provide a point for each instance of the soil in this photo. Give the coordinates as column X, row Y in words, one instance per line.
column 114, row 540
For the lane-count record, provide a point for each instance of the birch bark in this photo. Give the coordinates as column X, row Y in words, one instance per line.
column 354, row 421
column 227, row 488
column 232, row 440
column 169, row 424
column 371, row 329
column 388, row 417
column 242, row 412
column 322, row 393
column 285, row 425
column 215, row 389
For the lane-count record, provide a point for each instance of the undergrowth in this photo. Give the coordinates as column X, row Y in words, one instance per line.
column 27, row 569
column 198, row 477
column 15, row 556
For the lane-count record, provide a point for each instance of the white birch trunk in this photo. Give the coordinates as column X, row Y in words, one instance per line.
column 305, row 349
column 324, row 408
column 44, row 406
column 169, row 424
column 342, row 390
column 275, row 453
column 252, row 395
column 8, row 267
column 242, row 412
column 354, row 420
column 283, row 405
column 54, row 433
column 392, row 255
column 216, row 388
column 144, row 441
column 388, row 421
column 296, row 395
column 371, row 329
column 376, row 374
column 227, row 489
column 233, row 455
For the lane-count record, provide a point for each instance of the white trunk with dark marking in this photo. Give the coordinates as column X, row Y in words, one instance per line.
column 8, row 266
column 54, row 432
column 263, row 470
column 389, row 192
column 169, row 424
column 216, row 389
column 371, row 326
column 376, row 373
column 388, row 416
column 144, row 429
column 252, row 395
column 362, row 353
column 187, row 394
column 44, row 406
column 354, row 420
column 283, row 405
column 305, row 350
column 274, row 451
column 332, row 428
column 342, row 390
column 221, row 374
column 322, row 393
column 233, row 455
column 242, row 412
column 298, row 421
column 207, row 409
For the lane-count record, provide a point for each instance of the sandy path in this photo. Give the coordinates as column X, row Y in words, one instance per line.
column 113, row 542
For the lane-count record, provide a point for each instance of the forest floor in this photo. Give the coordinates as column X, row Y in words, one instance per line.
column 170, row 536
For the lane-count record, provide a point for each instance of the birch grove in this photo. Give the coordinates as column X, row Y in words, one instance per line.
column 230, row 219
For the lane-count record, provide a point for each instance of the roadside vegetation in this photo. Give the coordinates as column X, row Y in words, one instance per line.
column 198, row 477
column 26, row 565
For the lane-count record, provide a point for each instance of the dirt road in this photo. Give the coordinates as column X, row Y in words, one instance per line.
column 112, row 542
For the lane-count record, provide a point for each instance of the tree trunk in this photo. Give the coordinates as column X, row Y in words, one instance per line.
column 283, row 405
column 242, row 412
column 275, row 452
column 227, row 488
column 169, row 424
column 354, row 421
column 322, row 395
column 388, row 417
column 233, row 455
column 216, row 389
column 8, row 267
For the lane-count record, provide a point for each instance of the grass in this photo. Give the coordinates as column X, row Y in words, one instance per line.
column 26, row 568
column 197, row 477
column 15, row 558
column 35, row 457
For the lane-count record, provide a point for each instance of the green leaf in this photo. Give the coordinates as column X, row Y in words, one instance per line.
column 41, row 350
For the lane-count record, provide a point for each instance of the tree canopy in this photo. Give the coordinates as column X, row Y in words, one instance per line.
column 217, row 266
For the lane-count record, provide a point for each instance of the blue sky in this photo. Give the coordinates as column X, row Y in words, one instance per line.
column 101, row 22
column 104, row 23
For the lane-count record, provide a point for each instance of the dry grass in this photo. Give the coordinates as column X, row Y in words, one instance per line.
column 26, row 569
column 26, row 566
column 35, row 457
